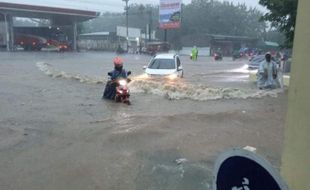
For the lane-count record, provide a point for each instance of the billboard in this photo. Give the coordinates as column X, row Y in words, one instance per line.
column 170, row 14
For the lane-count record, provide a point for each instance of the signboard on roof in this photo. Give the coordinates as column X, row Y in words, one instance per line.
column 170, row 14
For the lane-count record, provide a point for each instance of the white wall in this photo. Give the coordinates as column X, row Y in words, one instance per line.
column 202, row 51
column 132, row 32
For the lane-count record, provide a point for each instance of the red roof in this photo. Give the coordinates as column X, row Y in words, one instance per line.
column 45, row 9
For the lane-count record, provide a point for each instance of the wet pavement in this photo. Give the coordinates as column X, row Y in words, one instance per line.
column 57, row 133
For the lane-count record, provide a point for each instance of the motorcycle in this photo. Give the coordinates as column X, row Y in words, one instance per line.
column 122, row 91
column 218, row 56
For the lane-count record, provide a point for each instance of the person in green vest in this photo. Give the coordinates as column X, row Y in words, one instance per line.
column 194, row 53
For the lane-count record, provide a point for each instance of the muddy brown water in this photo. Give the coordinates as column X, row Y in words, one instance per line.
column 57, row 133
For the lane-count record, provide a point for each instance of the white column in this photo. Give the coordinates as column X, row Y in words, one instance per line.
column 8, row 19
column 75, row 35
column 296, row 154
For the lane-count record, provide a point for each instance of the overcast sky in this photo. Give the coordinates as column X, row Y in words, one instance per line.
column 107, row 5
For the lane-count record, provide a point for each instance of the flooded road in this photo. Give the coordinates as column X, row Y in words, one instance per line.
column 57, row 133
column 204, row 79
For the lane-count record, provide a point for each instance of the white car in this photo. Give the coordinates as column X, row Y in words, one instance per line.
column 165, row 65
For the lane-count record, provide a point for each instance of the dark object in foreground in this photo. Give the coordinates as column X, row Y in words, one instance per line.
column 240, row 169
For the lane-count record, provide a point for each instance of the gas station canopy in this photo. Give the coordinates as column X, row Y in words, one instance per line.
column 59, row 15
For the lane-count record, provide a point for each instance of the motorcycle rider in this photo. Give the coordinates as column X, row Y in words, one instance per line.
column 118, row 72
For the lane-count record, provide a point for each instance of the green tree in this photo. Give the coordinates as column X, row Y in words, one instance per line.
column 275, row 36
column 106, row 22
column 200, row 17
column 282, row 15
column 214, row 17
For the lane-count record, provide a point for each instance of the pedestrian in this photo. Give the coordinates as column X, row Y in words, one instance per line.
column 267, row 74
column 194, row 53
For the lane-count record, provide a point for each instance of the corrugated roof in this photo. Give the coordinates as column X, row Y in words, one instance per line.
column 18, row 7
column 219, row 36
column 268, row 43
column 96, row 34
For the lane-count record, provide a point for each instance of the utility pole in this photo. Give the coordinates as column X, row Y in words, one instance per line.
column 165, row 35
column 150, row 25
column 127, row 35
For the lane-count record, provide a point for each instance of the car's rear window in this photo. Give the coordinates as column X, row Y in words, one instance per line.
column 162, row 64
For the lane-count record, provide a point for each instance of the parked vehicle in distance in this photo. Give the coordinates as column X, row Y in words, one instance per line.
column 36, row 38
column 153, row 48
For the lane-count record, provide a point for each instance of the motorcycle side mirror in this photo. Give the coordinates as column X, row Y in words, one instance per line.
column 110, row 74
column 129, row 73
column 144, row 67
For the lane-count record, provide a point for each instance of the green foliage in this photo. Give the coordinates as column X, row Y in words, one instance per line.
column 275, row 36
column 107, row 22
column 282, row 15
column 198, row 17
column 214, row 17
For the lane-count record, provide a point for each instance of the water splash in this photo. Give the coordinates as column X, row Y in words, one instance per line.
column 49, row 70
column 178, row 90
column 173, row 90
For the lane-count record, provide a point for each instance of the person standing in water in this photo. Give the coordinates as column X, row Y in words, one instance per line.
column 267, row 74
column 194, row 53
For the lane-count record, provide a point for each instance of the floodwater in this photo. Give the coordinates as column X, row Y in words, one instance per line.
column 204, row 80
column 57, row 133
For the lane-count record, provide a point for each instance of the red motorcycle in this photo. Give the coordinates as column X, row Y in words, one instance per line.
column 218, row 56
column 122, row 91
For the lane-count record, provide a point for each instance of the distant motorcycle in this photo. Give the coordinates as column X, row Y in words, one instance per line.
column 218, row 56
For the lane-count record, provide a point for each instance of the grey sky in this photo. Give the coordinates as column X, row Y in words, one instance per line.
column 107, row 5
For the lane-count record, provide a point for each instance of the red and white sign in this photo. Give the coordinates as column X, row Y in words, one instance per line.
column 170, row 14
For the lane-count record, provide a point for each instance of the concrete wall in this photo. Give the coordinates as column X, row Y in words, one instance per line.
column 104, row 45
column 202, row 51
column 132, row 32
column 296, row 154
